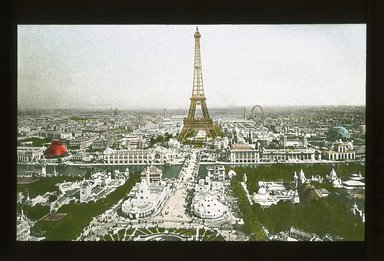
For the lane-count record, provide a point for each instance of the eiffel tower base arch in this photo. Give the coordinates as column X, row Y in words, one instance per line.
column 196, row 125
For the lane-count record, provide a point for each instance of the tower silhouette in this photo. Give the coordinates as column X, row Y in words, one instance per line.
column 191, row 122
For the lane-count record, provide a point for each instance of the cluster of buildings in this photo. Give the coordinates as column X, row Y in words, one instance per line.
column 112, row 138
column 148, row 196
column 23, row 230
column 248, row 142
column 270, row 193
column 87, row 135
column 340, row 150
column 98, row 186
column 209, row 200
column 131, row 155
column 353, row 186
column 302, row 188
column 42, row 154
column 30, row 154
column 294, row 234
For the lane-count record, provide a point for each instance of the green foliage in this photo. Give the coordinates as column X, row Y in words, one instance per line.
column 34, row 213
column 52, row 198
column 285, row 172
column 159, row 139
column 80, row 215
column 195, row 144
column 273, row 145
column 45, row 184
column 116, row 144
column 252, row 226
column 167, row 136
column 190, row 134
column 218, row 130
column 36, row 142
column 332, row 134
column 78, row 118
column 94, row 150
column 327, row 215
column 152, row 141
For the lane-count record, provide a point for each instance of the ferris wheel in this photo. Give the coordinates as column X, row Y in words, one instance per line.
column 257, row 113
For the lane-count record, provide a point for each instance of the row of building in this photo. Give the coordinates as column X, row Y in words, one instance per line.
column 250, row 153
column 158, row 154
column 248, row 142
column 237, row 153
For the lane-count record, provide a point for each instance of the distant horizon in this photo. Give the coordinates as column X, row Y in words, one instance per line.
column 186, row 109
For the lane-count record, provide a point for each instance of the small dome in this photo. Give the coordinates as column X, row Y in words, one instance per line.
column 231, row 173
column 56, row 149
column 333, row 174
column 108, row 151
column 208, row 207
column 262, row 190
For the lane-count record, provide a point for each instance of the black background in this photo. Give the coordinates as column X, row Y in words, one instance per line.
column 199, row 12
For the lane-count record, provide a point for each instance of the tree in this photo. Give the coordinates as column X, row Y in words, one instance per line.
column 152, row 141
column 326, row 215
column 159, row 139
column 273, row 145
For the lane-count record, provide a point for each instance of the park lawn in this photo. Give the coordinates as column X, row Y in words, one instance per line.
column 36, row 142
column 34, row 213
column 45, row 184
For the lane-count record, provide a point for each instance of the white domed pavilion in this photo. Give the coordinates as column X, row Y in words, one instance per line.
column 208, row 207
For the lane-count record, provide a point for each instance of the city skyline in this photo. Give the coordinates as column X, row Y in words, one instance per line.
column 151, row 66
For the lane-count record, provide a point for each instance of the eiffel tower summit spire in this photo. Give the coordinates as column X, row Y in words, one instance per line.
column 191, row 122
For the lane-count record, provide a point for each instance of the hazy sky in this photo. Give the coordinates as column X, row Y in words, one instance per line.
column 151, row 66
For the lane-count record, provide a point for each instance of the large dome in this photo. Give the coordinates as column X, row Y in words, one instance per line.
column 338, row 132
column 208, row 207
column 343, row 132
column 56, row 149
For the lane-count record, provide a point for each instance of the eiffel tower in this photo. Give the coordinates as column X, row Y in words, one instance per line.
column 191, row 122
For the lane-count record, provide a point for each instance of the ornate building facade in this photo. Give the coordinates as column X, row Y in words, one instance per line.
column 30, row 154
column 243, row 153
column 138, row 156
column 341, row 150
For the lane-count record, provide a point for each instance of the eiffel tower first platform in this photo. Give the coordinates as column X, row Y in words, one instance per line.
column 191, row 122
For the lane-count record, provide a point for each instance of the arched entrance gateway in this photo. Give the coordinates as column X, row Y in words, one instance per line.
column 157, row 158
